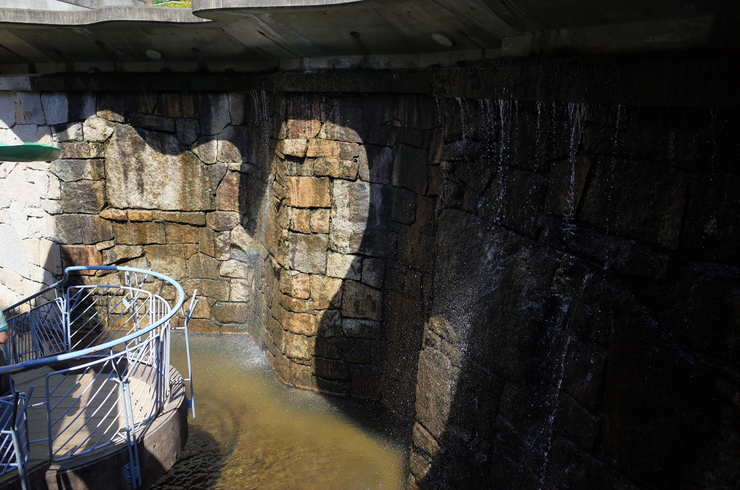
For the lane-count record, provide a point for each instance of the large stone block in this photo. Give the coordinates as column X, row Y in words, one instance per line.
column 152, row 171
column 295, row 284
column 410, row 168
column 363, row 329
column 404, row 205
column 120, row 253
column 416, row 249
column 300, row 220
column 435, row 391
column 332, row 369
column 226, row 312
column 83, row 196
column 73, row 170
column 203, row 266
column 82, row 149
column 350, row 213
column 209, row 289
column 307, row 253
column 170, row 260
column 233, row 145
column 373, row 272
column 333, row 149
column 517, row 200
column 154, row 123
column 187, row 131
column 326, row 292
column 231, row 192
column 29, row 109
column 308, row 192
column 301, row 128
column 222, row 220
column 80, row 255
column 638, row 199
column 176, row 104
column 97, row 129
column 343, row 266
column 68, row 132
column 294, row 147
column 214, row 112
column 82, row 229
column 377, row 167
column 298, row 346
column 333, row 167
column 320, row 219
column 298, row 323
column 361, row 301
column 140, row 233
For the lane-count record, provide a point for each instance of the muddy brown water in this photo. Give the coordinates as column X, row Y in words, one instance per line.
column 253, row 432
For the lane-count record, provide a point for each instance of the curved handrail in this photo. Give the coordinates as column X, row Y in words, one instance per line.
column 107, row 345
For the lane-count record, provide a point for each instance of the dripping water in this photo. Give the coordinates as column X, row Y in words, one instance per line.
column 576, row 115
column 562, row 327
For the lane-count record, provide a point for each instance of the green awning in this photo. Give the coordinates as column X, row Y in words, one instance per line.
column 29, row 152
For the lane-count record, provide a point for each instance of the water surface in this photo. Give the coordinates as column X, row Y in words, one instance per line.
column 253, row 432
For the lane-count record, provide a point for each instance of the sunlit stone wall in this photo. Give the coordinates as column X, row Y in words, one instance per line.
column 351, row 249
column 29, row 256
column 144, row 180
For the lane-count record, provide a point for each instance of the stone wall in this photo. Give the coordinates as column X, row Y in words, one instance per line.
column 583, row 328
column 351, row 253
column 537, row 268
column 148, row 180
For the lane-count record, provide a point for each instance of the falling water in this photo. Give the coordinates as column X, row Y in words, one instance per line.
column 617, row 146
column 576, row 116
column 561, row 325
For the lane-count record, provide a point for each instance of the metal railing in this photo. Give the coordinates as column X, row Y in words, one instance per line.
column 101, row 336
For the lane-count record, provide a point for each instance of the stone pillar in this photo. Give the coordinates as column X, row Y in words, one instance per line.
column 352, row 247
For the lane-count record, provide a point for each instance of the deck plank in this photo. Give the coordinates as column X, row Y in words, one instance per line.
column 75, row 431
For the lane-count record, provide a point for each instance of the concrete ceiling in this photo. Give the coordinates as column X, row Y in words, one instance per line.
column 258, row 35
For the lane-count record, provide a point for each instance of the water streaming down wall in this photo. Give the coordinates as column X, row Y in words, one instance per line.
column 559, row 349
column 542, row 284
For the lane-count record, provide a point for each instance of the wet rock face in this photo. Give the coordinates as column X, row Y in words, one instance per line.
column 584, row 329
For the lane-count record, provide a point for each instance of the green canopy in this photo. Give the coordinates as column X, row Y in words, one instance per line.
column 29, row 152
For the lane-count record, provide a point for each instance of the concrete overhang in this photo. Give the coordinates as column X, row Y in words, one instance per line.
column 262, row 35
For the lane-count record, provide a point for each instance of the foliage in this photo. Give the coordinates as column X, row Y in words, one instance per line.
column 173, row 3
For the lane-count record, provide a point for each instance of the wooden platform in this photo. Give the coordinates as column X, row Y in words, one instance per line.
column 88, row 410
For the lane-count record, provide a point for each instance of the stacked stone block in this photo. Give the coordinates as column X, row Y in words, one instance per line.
column 564, row 346
column 157, row 180
column 353, row 245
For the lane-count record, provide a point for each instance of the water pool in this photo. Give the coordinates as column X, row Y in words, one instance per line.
column 251, row 431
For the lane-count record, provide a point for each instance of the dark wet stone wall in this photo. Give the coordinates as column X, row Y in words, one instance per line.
column 583, row 326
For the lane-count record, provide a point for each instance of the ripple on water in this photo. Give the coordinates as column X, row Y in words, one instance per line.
column 251, row 431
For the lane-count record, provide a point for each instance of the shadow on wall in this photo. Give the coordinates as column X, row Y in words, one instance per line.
column 351, row 254
column 579, row 321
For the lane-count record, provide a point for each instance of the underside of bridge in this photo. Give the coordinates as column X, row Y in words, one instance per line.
column 248, row 36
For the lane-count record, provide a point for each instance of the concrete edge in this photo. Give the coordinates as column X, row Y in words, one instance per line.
column 100, row 15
